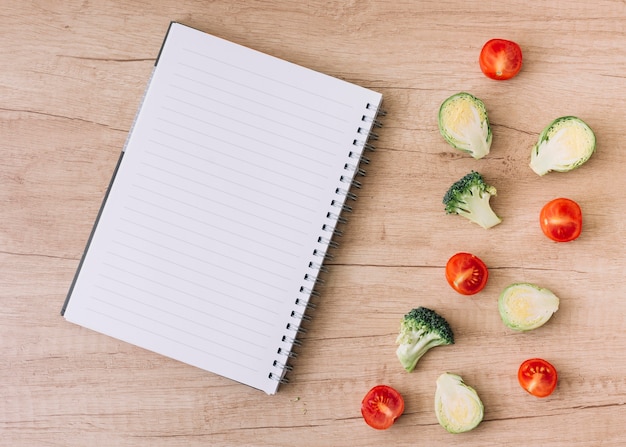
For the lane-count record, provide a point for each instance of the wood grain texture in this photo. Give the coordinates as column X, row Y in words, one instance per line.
column 72, row 78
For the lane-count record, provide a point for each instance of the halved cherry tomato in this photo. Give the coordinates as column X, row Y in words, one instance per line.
column 466, row 273
column 381, row 406
column 500, row 59
column 561, row 220
column 538, row 377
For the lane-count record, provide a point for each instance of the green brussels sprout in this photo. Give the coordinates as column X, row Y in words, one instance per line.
column 565, row 144
column 457, row 405
column 525, row 306
column 464, row 124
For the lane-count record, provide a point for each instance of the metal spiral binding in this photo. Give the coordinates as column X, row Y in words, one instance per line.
column 305, row 304
column 318, row 266
column 308, row 291
column 299, row 330
column 329, row 231
column 347, row 193
column 335, row 217
column 361, row 158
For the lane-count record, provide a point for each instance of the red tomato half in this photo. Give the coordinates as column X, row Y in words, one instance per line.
column 381, row 406
column 466, row 273
column 500, row 59
column 538, row 377
column 561, row 220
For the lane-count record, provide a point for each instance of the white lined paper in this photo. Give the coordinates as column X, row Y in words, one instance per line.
column 215, row 214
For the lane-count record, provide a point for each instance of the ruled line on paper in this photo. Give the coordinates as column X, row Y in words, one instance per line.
column 204, row 286
column 236, row 322
column 258, row 255
column 241, row 298
column 227, row 205
column 288, row 111
column 274, row 247
column 229, row 181
column 205, row 223
column 203, row 273
column 229, row 359
column 256, row 74
column 271, row 211
column 168, row 314
column 223, row 256
column 232, row 132
column 267, row 156
column 258, row 130
column 243, row 112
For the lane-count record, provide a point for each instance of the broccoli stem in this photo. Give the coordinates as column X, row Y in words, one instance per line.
column 409, row 353
column 481, row 212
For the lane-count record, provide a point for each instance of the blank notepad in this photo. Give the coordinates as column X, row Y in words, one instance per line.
column 222, row 207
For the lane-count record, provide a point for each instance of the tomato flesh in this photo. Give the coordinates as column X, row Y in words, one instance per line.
column 561, row 220
column 538, row 377
column 500, row 59
column 466, row 273
column 381, row 406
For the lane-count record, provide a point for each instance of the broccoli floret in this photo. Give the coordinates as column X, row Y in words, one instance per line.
column 420, row 330
column 469, row 197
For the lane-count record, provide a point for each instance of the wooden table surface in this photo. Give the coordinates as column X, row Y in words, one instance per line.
column 73, row 73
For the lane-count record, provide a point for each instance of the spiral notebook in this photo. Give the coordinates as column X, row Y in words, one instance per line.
column 221, row 210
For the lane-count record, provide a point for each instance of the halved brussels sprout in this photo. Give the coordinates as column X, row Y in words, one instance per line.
column 525, row 306
column 565, row 144
column 457, row 405
column 463, row 122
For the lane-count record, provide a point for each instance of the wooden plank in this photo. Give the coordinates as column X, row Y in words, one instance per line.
column 72, row 78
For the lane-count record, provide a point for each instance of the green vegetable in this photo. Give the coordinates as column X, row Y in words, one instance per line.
column 565, row 144
column 457, row 405
column 420, row 330
column 525, row 306
column 464, row 124
column 469, row 197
